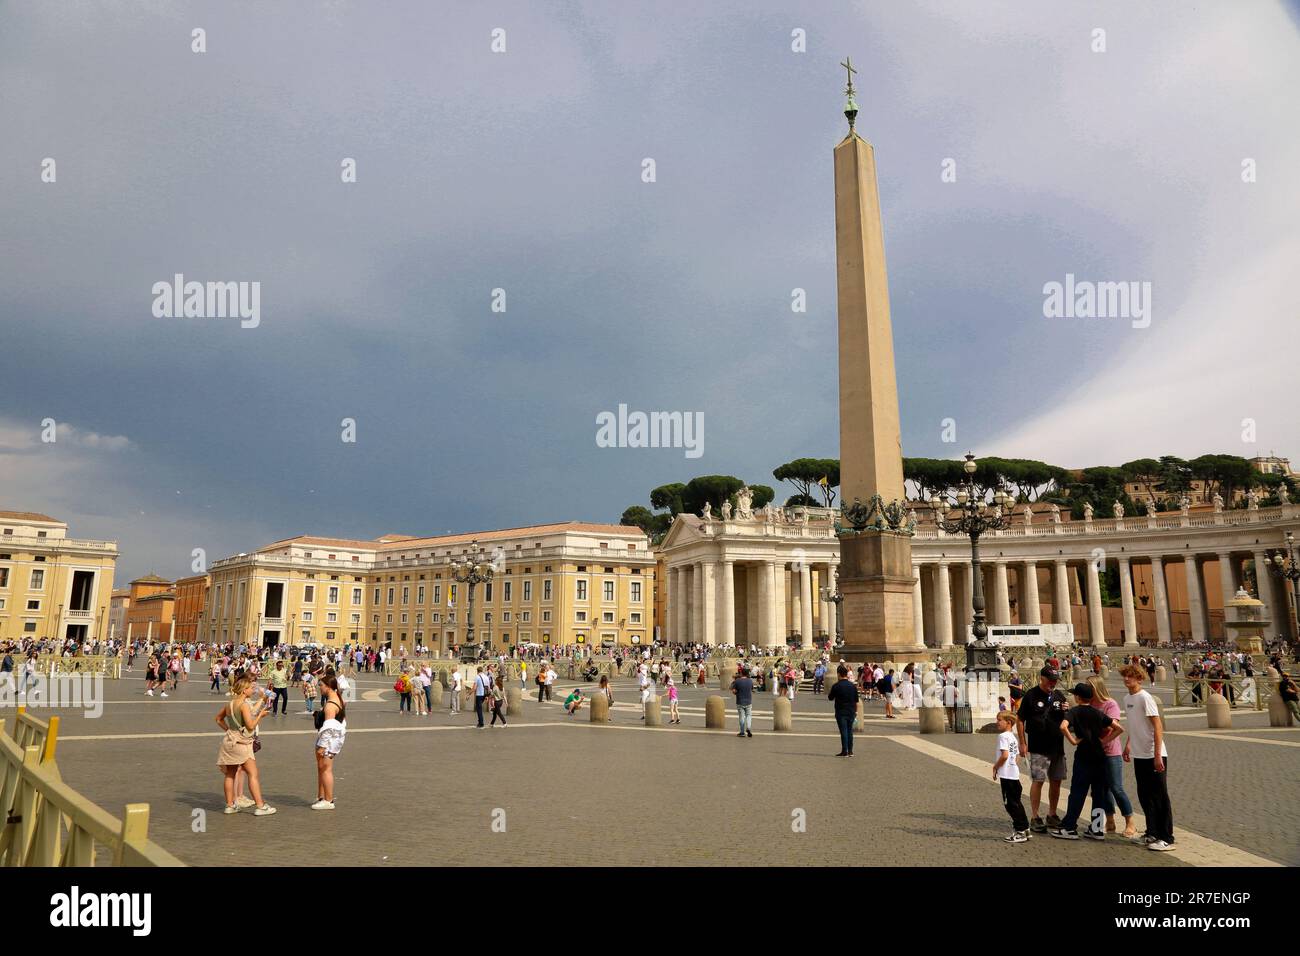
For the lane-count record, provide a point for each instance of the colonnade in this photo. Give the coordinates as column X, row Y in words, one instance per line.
column 750, row 601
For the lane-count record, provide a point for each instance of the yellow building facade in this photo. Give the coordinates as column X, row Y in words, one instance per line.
column 52, row 586
column 554, row 584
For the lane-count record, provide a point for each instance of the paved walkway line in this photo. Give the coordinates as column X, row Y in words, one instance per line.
column 282, row 733
column 1220, row 735
column 1191, row 848
column 698, row 730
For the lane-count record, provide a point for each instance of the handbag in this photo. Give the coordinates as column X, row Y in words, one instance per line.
column 257, row 744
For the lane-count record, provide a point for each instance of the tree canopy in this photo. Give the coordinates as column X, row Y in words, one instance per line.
column 807, row 475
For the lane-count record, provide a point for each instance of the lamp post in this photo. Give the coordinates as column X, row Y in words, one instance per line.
column 974, row 518
column 471, row 569
column 833, row 595
column 1285, row 566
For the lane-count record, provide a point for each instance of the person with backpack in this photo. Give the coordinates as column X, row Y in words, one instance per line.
column 497, row 699
column 403, row 687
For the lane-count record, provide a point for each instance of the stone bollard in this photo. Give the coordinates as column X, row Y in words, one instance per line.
column 1161, row 674
column 933, row 720
column 1217, row 714
column 726, row 674
column 715, row 713
column 514, row 702
column 653, row 712
column 435, row 693
column 467, row 697
column 599, row 709
column 858, row 722
column 781, row 713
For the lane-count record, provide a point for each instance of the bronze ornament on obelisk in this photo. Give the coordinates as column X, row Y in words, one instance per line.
column 876, row 578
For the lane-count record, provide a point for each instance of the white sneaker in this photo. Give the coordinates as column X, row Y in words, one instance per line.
column 149, row 693
column 244, row 803
column 164, row 693
column 323, row 805
column 231, row 809
column 265, row 810
column 1160, row 846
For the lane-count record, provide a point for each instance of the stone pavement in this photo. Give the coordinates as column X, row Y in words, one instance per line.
column 414, row 790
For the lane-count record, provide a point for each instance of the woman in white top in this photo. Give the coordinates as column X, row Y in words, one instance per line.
column 332, row 730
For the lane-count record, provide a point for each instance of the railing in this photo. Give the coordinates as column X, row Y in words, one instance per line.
column 1234, row 518
column 47, row 823
column 55, row 664
column 1246, row 691
column 56, row 544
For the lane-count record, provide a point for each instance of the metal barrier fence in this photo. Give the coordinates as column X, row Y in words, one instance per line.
column 1239, row 690
column 47, row 823
column 56, row 664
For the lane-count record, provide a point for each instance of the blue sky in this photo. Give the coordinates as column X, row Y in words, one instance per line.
column 522, row 170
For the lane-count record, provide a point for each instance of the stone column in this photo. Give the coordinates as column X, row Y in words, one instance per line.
column 1096, row 621
column 965, row 613
column 918, row 616
column 805, row 604
column 1029, row 599
column 708, row 602
column 1227, row 584
column 1195, row 603
column 1126, row 602
column 824, row 582
column 697, row 602
column 1061, row 597
column 1163, row 635
column 943, row 605
column 766, row 604
column 1001, row 594
column 832, row 610
column 791, row 583
column 727, row 602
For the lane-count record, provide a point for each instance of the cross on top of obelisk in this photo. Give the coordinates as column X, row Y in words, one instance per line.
column 851, row 105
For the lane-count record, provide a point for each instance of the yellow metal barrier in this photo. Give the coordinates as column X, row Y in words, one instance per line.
column 47, row 823
column 29, row 731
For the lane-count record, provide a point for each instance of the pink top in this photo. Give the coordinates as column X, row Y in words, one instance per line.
column 672, row 691
column 1111, row 709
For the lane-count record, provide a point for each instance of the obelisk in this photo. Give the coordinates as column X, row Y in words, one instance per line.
column 876, row 577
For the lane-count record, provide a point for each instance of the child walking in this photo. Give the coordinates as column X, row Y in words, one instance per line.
column 673, row 716
column 1006, row 771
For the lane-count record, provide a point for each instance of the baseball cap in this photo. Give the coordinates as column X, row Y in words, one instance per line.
column 1082, row 691
column 1049, row 673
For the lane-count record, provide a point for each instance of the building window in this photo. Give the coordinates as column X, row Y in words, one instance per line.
column 306, row 615
column 309, row 594
column 487, row 591
column 437, row 594
column 636, row 617
column 4, row 577
column 334, row 594
column 608, row 590
column 406, row 595
column 38, row 579
column 546, row 590
column 331, row 617
column 451, row 595
column 388, row 619
column 390, row 595
column 33, row 604
column 581, row 590
column 404, row 620
column 580, row 616
column 419, row 594
column 356, row 596
column 528, row 591
column 636, row 592
column 546, row 617
column 356, row 618
column 607, row 617
column 487, row 617
column 506, row 595
column 526, row 616
column 505, row 617
column 376, row 600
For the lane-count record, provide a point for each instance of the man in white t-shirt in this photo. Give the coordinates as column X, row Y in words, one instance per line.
column 643, row 678
column 1145, row 746
column 550, row 681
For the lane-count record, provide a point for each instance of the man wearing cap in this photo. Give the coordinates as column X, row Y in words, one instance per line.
column 1042, row 710
column 1089, row 729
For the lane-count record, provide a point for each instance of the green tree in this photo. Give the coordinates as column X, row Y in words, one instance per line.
column 806, row 474
column 762, row 495
column 1144, row 472
column 715, row 489
column 802, row 501
column 668, row 496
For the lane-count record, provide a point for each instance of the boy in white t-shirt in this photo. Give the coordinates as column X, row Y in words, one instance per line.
column 1006, row 771
column 1145, row 746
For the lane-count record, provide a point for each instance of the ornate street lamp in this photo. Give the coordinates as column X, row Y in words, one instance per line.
column 1286, row 567
column 833, row 595
column 471, row 569
column 973, row 519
